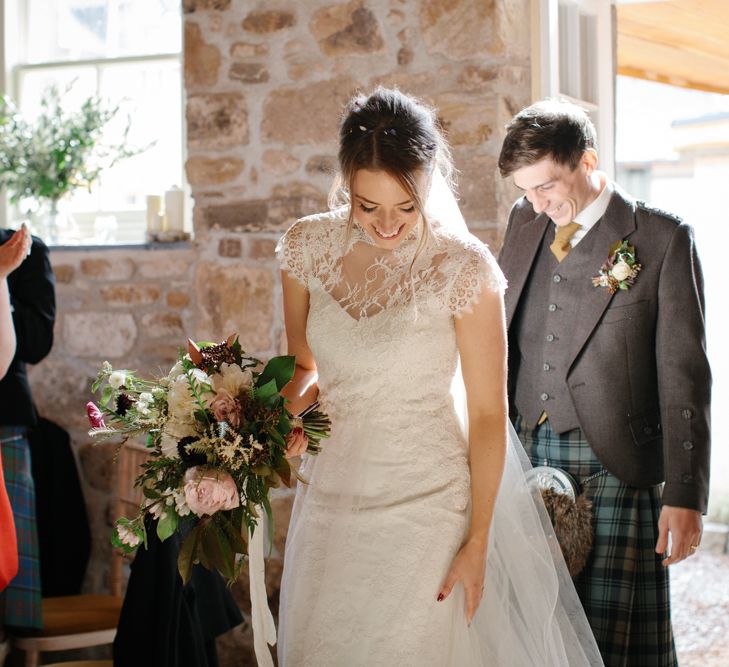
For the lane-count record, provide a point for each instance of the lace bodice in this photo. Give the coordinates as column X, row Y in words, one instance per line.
column 381, row 328
column 321, row 253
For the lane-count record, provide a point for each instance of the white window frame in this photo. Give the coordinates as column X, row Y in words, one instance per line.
column 12, row 73
column 547, row 44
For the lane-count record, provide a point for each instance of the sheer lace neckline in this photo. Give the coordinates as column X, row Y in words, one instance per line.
column 405, row 251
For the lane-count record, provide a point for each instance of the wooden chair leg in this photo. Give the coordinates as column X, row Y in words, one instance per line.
column 32, row 658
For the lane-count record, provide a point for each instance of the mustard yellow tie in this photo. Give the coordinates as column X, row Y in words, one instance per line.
column 561, row 245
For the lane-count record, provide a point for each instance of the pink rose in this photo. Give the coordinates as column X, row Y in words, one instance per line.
column 96, row 418
column 226, row 408
column 209, row 490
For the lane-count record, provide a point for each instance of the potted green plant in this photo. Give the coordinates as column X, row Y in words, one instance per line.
column 45, row 158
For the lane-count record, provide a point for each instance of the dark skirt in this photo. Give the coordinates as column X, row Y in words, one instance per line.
column 624, row 588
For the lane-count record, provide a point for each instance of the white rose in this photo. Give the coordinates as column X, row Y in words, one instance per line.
column 621, row 271
column 117, row 379
column 232, row 378
column 181, row 404
column 168, row 445
column 146, row 397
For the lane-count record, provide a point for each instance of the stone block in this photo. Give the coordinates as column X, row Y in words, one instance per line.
column 160, row 324
column 216, row 121
column 230, row 247
column 279, row 162
column 99, row 334
column 249, row 72
column 477, row 187
column 63, row 273
column 61, row 387
column 318, row 109
column 237, row 216
column 322, row 164
column 202, row 61
column 191, row 6
column 266, row 22
column 235, row 298
column 474, row 78
column 107, row 269
column 405, row 56
column 346, row 28
column 213, row 171
column 178, row 299
column 459, row 29
column 263, row 249
column 240, row 50
column 166, row 265
column 286, row 204
column 130, row 295
column 292, row 201
column 466, row 122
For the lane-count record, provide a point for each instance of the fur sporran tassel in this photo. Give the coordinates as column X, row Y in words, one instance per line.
column 572, row 521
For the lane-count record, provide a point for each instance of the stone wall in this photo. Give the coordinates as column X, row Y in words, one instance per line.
column 265, row 82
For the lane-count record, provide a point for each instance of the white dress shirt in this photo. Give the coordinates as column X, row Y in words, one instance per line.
column 589, row 215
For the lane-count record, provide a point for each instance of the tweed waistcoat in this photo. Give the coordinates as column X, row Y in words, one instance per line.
column 545, row 322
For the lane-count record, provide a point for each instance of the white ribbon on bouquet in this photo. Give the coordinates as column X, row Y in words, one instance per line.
column 264, row 629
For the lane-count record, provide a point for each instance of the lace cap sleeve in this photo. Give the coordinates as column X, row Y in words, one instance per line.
column 475, row 269
column 291, row 252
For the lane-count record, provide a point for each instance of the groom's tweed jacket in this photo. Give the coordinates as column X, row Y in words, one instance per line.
column 629, row 369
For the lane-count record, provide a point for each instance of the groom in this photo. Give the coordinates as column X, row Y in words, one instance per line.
column 608, row 375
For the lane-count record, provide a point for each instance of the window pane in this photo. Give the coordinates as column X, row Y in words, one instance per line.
column 84, row 29
column 149, row 95
column 152, row 98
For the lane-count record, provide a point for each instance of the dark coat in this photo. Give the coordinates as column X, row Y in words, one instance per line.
column 32, row 297
column 637, row 371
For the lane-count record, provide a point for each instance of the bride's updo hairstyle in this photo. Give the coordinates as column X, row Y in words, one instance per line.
column 391, row 132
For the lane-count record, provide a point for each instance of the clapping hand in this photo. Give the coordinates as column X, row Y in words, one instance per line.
column 14, row 251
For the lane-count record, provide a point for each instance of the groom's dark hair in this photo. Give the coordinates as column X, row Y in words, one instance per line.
column 550, row 128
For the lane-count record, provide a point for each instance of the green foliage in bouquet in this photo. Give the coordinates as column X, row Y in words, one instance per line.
column 216, row 430
column 60, row 151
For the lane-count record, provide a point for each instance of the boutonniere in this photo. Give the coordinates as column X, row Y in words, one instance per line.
column 620, row 270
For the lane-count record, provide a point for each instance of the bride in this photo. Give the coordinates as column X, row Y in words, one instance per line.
column 415, row 539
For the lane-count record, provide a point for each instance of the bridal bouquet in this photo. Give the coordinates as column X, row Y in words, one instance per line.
column 216, row 428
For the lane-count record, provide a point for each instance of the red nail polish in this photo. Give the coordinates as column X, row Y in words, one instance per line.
column 440, row 597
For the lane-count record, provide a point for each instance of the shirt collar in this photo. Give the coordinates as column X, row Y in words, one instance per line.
column 589, row 215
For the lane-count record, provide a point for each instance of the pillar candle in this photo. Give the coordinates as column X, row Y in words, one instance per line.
column 154, row 219
column 174, row 209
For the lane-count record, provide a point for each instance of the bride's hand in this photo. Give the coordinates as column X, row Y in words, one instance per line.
column 469, row 567
column 296, row 440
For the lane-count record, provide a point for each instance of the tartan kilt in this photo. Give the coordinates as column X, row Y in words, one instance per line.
column 21, row 601
column 624, row 588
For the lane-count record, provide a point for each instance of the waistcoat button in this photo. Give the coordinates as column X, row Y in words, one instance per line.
column 557, row 278
column 688, row 445
column 544, row 396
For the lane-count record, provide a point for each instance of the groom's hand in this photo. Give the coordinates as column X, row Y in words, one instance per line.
column 684, row 526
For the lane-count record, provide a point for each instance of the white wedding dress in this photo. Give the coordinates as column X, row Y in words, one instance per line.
column 386, row 506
